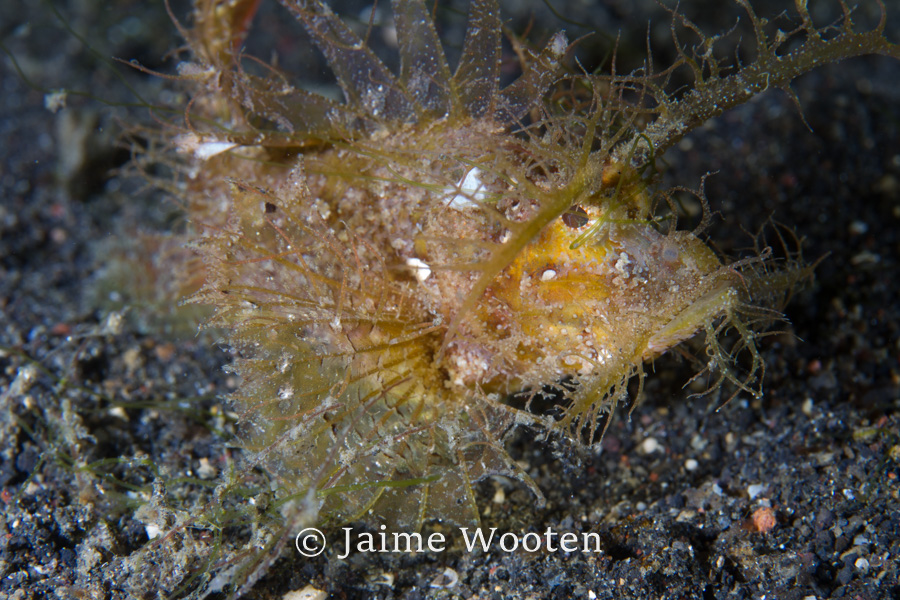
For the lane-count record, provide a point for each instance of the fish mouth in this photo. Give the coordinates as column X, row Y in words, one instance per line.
column 687, row 323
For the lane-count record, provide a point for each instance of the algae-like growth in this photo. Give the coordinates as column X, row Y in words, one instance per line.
column 394, row 266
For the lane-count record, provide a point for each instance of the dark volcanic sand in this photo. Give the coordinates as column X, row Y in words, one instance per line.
column 679, row 492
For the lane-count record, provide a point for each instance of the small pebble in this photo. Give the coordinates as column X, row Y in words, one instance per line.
column 447, row 579
column 858, row 227
column 755, row 490
column 807, row 407
column 865, row 257
column 650, row 445
column 307, row 593
column 153, row 531
column 763, row 519
column 118, row 412
column 206, row 470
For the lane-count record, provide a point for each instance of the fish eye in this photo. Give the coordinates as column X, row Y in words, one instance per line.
column 575, row 217
column 670, row 254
